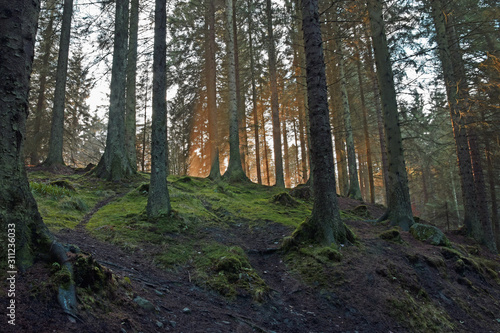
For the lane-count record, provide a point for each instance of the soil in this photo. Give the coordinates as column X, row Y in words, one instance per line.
column 356, row 301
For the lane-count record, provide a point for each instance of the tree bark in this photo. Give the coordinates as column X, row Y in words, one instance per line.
column 278, row 155
column 211, row 84
column 399, row 205
column 325, row 225
column 131, row 104
column 158, row 197
column 254, row 94
column 115, row 164
column 25, row 235
column 34, row 144
column 55, row 155
column 234, row 170
column 354, row 191
column 471, row 217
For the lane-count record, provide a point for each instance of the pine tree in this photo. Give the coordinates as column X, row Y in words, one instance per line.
column 114, row 163
column 158, row 198
column 399, row 205
column 55, row 155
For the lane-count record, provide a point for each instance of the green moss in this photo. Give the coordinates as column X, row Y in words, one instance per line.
column 61, row 276
column 429, row 234
column 392, row 235
column 313, row 264
column 419, row 316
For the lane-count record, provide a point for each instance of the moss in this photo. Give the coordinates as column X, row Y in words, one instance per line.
column 392, row 235
column 429, row 234
column 63, row 184
column 361, row 211
column 284, row 199
column 419, row 316
column 61, row 276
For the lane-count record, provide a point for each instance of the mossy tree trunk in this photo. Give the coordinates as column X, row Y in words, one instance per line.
column 114, row 163
column 158, row 198
column 131, row 99
column 325, row 225
column 234, row 170
column 278, row 155
column 18, row 209
column 399, row 205
column 55, row 155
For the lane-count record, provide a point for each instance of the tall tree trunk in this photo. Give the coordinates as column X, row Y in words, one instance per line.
column 366, row 130
column 55, row 155
column 211, row 84
column 475, row 151
column 34, row 143
column 114, row 163
column 278, row 155
column 378, row 108
column 286, row 157
column 158, row 197
column 239, row 96
column 354, row 190
column 24, row 235
column 254, row 94
column 325, row 225
column 130, row 113
column 234, row 170
column 471, row 217
column 299, row 64
column 399, row 204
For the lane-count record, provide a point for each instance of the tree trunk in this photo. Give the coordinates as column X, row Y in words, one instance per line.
column 399, row 204
column 378, row 109
column 158, row 198
column 325, row 225
column 366, row 131
column 254, row 95
column 234, row 170
column 115, row 164
column 354, row 191
column 55, row 155
column 211, row 84
column 278, row 155
column 471, row 217
column 130, row 114
column 286, row 157
column 47, row 42
column 240, row 96
column 24, row 234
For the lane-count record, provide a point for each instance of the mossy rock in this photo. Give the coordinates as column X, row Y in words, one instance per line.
column 64, row 184
column 89, row 274
column 392, row 235
column 429, row 234
column 302, row 192
column 284, row 199
column 185, row 179
column 361, row 211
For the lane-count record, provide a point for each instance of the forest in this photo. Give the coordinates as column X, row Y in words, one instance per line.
column 250, row 166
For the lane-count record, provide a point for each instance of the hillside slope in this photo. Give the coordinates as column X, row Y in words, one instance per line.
column 215, row 266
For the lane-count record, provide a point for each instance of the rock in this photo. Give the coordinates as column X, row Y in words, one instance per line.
column 429, row 234
column 391, row 235
column 159, row 324
column 173, row 323
column 186, row 310
column 144, row 303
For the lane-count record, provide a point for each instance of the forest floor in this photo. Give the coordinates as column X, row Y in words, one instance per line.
column 215, row 266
